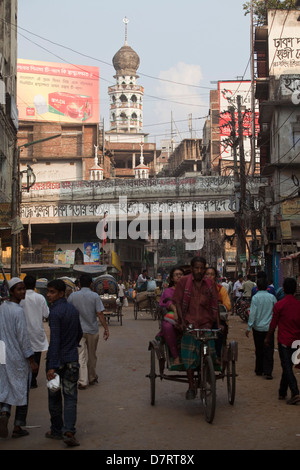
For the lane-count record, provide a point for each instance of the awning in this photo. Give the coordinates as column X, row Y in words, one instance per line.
column 90, row 268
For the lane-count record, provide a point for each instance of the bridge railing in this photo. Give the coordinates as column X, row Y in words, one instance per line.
column 142, row 188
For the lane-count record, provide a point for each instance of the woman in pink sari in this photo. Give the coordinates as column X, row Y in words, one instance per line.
column 168, row 331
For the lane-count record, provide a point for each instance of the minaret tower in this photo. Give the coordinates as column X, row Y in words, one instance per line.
column 126, row 97
column 141, row 171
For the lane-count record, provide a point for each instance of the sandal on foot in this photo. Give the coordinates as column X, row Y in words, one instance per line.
column 20, row 433
column 294, row 400
column 70, row 440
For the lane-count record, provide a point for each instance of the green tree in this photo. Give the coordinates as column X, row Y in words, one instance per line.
column 261, row 7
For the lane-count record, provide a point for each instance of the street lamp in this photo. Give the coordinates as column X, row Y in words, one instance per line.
column 30, row 178
column 16, row 201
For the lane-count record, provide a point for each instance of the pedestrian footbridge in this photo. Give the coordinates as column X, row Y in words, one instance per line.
column 90, row 201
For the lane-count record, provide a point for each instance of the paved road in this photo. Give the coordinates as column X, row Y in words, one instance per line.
column 116, row 414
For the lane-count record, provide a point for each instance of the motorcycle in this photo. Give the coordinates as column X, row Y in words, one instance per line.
column 243, row 308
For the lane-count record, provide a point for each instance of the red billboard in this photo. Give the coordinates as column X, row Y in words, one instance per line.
column 228, row 93
column 55, row 92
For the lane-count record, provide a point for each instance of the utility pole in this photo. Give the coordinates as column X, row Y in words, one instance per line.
column 239, row 184
column 103, row 145
column 234, row 146
column 242, row 154
column 253, row 157
column 15, row 206
column 242, row 206
column 236, row 187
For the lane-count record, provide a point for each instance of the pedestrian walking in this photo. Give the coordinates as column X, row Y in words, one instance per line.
column 248, row 286
column 237, row 288
column 36, row 310
column 121, row 291
column 261, row 310
column 224, row 283
column 62, row 360
column 286, row 317
column 16, row 360
column 90, row 308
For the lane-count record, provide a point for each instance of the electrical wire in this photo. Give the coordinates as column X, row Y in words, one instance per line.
column 97, row 60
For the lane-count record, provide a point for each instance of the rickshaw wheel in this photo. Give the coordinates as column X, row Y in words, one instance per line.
column 152, row 376
column 231, row 374
column 153, row 308
column 208, row 389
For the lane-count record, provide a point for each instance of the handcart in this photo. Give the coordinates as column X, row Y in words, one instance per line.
column 146, row 302
column 106, row 287
column 208, row 371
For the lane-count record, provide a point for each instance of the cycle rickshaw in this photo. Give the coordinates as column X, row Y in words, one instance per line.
column 147, row 302
column 208, row 372
column 106, row 287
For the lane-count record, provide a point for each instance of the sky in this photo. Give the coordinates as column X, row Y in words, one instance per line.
column 185, row 48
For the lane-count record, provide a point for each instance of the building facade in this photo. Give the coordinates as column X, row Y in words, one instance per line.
column 8, row 114
column 278, row 92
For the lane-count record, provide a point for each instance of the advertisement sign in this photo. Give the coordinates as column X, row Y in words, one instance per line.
column 70, row 256
column 168, row 261
column 116, row 262
column 228, row 93
column 49, row 91
column 91, row 253
column 64, row 257
column 284, row 39
column 286, row 229
column 59, row 257
column 290, row 209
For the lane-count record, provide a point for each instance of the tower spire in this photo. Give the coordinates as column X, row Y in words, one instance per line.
column 126, row 21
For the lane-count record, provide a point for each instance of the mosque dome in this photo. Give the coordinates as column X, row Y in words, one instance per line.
column 126, row 61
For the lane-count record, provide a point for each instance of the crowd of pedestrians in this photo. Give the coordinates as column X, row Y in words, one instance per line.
column 70, row 354
column 192, row 297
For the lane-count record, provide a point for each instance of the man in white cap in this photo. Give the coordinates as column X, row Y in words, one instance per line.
column 16, row 360
column 36, row 309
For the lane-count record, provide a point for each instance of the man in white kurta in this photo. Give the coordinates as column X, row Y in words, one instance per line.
column 36, row 309
column 16, row 360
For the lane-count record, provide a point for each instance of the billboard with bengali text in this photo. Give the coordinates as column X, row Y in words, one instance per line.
column 284, row 41
column 57, row 92
column 228, row 92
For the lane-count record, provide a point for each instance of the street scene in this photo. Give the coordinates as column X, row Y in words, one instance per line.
column 116, row 414
column 149, row 225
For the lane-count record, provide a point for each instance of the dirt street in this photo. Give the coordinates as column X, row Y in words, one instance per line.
column 116, row 414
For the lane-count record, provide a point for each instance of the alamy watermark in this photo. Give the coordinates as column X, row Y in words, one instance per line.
column 296, row 354
column 153, row 221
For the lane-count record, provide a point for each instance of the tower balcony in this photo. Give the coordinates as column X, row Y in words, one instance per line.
column 122, row 88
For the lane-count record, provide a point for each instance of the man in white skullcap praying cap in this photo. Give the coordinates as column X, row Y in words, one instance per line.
column 16, row 360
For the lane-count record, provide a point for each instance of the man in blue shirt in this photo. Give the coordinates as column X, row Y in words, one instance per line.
column 62, row 359
column 261, row 310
